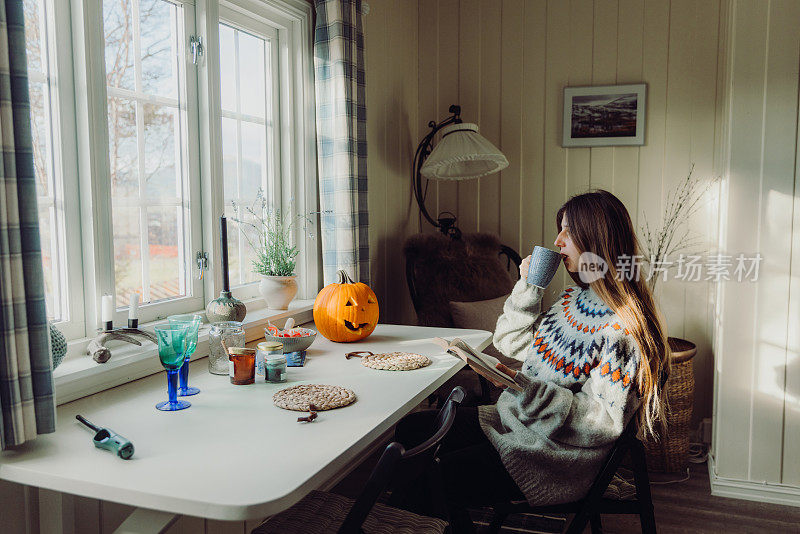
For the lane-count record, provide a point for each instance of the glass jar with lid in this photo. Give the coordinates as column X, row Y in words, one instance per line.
column 232, row 333
column 275, row 368
column 263, row 351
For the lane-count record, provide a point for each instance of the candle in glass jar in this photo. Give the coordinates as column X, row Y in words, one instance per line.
column 242, row 366
column 275, row 368
column 263, row 351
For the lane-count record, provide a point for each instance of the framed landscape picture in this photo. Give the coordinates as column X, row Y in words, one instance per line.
column 605, row 115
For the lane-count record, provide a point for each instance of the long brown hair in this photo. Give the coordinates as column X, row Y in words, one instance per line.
column 599, row 223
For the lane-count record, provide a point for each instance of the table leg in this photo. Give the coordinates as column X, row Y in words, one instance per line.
column 144, row 521
column 56, row 512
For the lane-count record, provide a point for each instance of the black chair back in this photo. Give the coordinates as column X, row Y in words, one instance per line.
column 398, row 467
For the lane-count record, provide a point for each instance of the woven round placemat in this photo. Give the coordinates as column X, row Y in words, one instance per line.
column 395, row 361
column 322, row 396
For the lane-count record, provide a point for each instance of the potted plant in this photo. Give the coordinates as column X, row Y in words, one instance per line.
column 269, row 232
column 671, row 454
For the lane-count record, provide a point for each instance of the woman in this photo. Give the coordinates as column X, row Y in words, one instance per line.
column 591, row 361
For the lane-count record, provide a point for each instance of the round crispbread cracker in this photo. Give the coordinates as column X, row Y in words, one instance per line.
column 322, row 396
column 395, row 361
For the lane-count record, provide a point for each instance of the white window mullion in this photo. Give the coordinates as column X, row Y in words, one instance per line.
column 120, row 92
column 92, row 147
column 37, row 77
column 53, row 185
column 241, row 252
column 245, row 117
column 142, row 209
column 144, row 247
column 272, row 83
column 183, row 214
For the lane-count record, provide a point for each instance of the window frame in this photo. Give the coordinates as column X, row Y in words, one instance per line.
column 94, row 167
column 268, row 33
column 82, row 123
column 292, row 20
column 187, row 102
column 240, row 22
column 61, row 111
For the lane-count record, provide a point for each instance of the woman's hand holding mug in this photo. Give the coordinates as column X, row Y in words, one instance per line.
column 524, row 266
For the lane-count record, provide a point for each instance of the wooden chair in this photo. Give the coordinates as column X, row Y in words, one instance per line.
column 321, row 512
column 590, row 508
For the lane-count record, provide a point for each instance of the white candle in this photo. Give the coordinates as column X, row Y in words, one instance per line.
column 108, row 308
column 133, row 311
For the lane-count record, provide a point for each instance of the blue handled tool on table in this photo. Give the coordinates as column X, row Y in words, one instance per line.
column 107, row 439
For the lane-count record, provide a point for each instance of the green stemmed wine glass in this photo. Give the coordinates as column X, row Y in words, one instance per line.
column 192, row 322
column 171, row 350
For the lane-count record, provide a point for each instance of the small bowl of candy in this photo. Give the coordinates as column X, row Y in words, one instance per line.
column 293, row 339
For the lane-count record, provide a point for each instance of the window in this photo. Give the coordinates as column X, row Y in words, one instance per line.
column 267, row 126
column 48, row 183
column 248, row 135
column 148, row 149
column 141, row 141
column 49, row 84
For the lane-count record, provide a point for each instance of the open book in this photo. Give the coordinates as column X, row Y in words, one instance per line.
column 486, row 363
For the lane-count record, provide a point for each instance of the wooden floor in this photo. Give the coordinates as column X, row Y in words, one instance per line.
column 689, row 507
column 681, row 507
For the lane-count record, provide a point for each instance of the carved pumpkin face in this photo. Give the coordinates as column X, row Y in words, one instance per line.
column 346, row 311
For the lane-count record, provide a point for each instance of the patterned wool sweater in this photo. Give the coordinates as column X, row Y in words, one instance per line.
column 578, row 391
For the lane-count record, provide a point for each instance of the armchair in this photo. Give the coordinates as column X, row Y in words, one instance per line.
column 474, row 269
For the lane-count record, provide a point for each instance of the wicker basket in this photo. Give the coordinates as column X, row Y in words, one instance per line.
column 671, row 454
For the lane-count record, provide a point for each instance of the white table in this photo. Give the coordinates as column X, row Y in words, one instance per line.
column 233, row 455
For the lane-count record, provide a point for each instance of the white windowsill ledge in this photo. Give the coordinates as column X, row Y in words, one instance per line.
column 80, row 376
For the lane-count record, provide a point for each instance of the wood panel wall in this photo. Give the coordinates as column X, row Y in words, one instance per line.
column 506, row 63
column 391, row 44
column 33, row 511
column 757, row 419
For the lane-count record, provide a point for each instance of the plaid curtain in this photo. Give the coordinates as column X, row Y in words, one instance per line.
column 342, row 138
column 26, row 376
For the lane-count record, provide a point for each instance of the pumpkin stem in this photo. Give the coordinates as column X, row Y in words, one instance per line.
column 344, row 278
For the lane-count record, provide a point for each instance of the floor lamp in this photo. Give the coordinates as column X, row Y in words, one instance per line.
column 461, row 154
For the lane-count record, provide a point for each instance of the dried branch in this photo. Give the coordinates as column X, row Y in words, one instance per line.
column 681, row 203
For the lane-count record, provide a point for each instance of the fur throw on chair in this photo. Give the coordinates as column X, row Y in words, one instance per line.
column 442, row 270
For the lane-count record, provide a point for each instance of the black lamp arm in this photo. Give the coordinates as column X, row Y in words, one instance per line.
column 423, row 151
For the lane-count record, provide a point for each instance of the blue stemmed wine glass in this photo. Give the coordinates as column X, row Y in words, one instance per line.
column 171, row 350
column 192, row 323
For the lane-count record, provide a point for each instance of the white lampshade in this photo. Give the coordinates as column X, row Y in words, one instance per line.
column 463, row 153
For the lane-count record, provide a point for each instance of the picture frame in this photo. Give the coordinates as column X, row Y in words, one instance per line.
column 604, row 115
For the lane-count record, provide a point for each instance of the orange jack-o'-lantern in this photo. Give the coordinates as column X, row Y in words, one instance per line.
column 346, row 311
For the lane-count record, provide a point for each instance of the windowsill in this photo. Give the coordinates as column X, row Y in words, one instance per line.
column 79, row 376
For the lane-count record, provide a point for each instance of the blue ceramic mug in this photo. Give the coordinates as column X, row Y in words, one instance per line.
column 543, row 267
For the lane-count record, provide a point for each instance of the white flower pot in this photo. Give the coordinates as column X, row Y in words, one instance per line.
column 277, row 291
